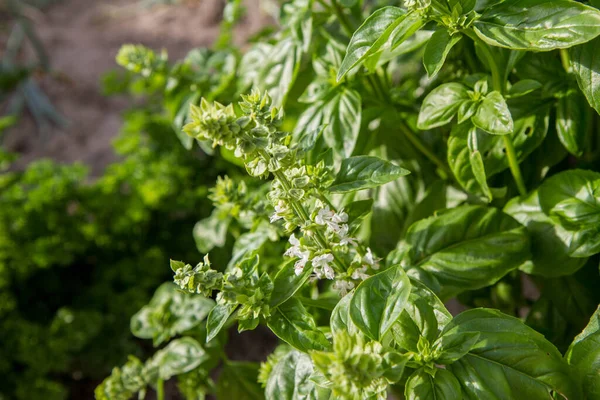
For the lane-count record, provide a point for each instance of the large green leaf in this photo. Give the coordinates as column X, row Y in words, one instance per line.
column 364, row 172
column 169, row 313
column 238, row 380
column 217, row 318
column 340, row 316
column 379, row 300
column 294, row 325
column 437, row 50
column 493, row 115
column 586, row 66
column 386, row 28
column 286, row 283
column 538, row 24
column 179, row 356
column 510, row 361
column 572, row 198
column 551, row 244
column 442, row 104
column 422, row 386
column 572, row 119
column 584, row 355
column 465, row 248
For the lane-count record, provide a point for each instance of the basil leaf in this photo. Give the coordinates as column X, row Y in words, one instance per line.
column 357, row 211
column 379, row 300
column 584, row 355
column 238, row 380
column 217, row 318
column 510, row 360
column 466, row 248
column 551, row 244
column 340, row 316
column 364, row 172
column 572, row 119
column 289, row 379
column 586, row 66
column 210, row 232
column 437, row 50
column 479, row 173
column 538, row 25
column 295, row 326
column 523, row 87
column 179, row 356
column 441, row 105
column 169, row 313
column 452, row 347
column 493, row 115
column 386, row 27
column 287, row 283
column 572, row 198
column 422, row 386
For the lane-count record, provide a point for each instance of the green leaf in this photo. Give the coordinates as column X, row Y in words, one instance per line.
column 340, row 112
column 340, row 316
column 493, row 115
column 238, row 380
column 510, row 360
column 424, row 316
column 357, row 211
column 551, row 244
column 169, row 313
column 584, row 355
column 523, row 87
column 572, row 199
column 294, row 325
column 386, row 28
column 586, row 66
column 422, row 386
column 452, row 347
column 287, row 283
column 538, row 25
column 466, row 248
column 479, row 172
column 289, row 379
column 364, row 172
column 572, row 120
column 217, row 318
column 379, row 300
column 437, row 50
column 180, row 356
column 441, row 105
column 210, row 232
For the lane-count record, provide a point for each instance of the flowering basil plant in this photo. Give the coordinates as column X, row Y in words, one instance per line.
column 431, row 151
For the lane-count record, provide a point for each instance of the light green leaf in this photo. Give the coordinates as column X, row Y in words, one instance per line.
column 364, row 172
column 340, row 316
column 379, row 300
column 452, row 347
column 238, row 380
column 423, row 386
column 441, row 105
column 466, row 248
column 437, row 50
column 584, row 355
column 287, row 283
column 493, row 115
column 289, row 379
column 538, row 25
column 217, row 318
column 479, row 172
column 180, row 356
column 551, row 244
column 294, row 325
column 510, row 361
column 210, row 232
column 586, row 66
column 386, row 28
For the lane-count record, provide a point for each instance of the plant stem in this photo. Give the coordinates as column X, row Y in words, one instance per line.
column 565, row 60
column 405, row 129
column 160, row 390
column 339, row 12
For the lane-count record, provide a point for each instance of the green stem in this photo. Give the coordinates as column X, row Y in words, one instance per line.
column 405, row 129
column 499, row 85
column 339, row 12
column 565, row 60
column 160, row 390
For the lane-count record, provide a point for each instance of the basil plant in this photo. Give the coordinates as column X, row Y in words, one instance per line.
column 389, row 160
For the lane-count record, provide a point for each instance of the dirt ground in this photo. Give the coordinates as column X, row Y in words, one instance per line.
column 82, row 38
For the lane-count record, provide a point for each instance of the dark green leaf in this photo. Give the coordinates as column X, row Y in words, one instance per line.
column 364, row 172
column 287, row 283
column 586, row 66
column 584, row 355
column 357, row 211
column 452, row 347
column 423, row 386
column 493, row 115
column 510, row 360
column 523, row 87
column 441, row 105
column 572, row 120
column 437, row 50
column 294, row 325
column 379, row 300
column 538, row 25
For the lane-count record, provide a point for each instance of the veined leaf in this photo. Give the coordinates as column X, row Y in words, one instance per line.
column 584, row 355
column 586, row 66
column 493, row 115
column 364, row 172
column 572, row 118
column 441, row 105
column 437, row 50
column 289, row 379
column 422, row 386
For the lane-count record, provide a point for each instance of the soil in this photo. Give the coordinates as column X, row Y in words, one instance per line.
column 82, row 38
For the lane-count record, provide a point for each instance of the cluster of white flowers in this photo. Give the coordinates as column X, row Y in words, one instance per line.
column 281, row 209
column 321, row 263
column 336, row 224
column 298, row 251
column 359, row 274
